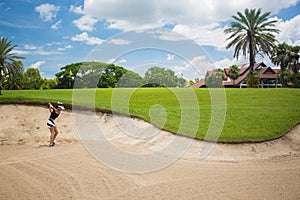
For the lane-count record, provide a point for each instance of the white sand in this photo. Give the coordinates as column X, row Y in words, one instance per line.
column 29, row 169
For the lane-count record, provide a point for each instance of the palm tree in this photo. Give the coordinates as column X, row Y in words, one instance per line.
column 294, row 58
column 8, row 63
column 280, row 56
column 251, row 33
column 234, row 72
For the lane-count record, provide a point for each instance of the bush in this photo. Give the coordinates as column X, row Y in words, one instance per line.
column 214, row 81
column 253, row 81
column 153, row 85
column 295, row 78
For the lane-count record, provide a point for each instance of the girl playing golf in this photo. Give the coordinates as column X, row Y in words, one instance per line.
column 55, row 111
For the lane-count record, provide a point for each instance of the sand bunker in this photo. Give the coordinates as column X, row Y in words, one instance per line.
column 29, row 169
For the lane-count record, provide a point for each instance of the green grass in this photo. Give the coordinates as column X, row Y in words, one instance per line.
column 252, row 115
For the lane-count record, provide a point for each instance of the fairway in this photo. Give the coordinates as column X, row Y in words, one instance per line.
column 251, row 115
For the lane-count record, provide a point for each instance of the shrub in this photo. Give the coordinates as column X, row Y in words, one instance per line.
column 214, row 81
column 253, row 81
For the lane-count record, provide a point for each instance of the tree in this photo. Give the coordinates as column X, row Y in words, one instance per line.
column 90, row 75
column 110, row 76
column 280, row 57
column 191, row 82
column 9, row 64
column 161, row 77
column 130, row 79
column 49, row 83
column 181, row 82
column 32, row 79
column 294, row 59
column 286, row 56
column 253, row 80
column 294, row 65
column 215, row 80
column 252, row 33
column 234, row 72
column 66, row 76
column 16, row 81
column 155, row 75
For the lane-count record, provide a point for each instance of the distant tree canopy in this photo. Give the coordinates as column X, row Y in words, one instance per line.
column 161, row 77
column 67, row 75
column 92, row 75
column 28, row 80
column 103, row 75
column 131, row 79
column 97, row 74
column 110, row 76
column 215, row 80
column 32, row 79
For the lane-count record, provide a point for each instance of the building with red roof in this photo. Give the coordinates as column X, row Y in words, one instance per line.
column 267, row 76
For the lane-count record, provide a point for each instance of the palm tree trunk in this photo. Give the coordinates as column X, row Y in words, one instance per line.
column 251, row 53
column 1, row 81
column 282, row 73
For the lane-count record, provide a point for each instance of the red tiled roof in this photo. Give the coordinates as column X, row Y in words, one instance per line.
column 264, row 73
column 198, row 84
column 267, row 73
column 267, row 69
column 268, row 76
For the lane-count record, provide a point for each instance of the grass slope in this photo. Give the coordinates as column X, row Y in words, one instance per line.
column 252, row 115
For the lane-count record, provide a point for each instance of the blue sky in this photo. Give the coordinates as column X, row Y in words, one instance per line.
column 185, row 36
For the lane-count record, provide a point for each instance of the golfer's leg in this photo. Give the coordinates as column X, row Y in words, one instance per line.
column 55, row 133
column 52, row 135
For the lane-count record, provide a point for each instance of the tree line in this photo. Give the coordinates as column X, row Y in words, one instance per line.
column 91, row 75
column 103, row 75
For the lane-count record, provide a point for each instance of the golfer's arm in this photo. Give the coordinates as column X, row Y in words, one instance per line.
column 50, row 107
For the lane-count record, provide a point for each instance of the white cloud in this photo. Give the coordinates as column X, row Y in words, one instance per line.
column 54, row 43
column 123, row 14
column 39, row 50
column 47, row 11
column 36, row 51
column 171, row 35
column 199, row 65
column 37, row 64
column 289, row 31
column 200, row 20
column 121, row 61
column 21, row 52
column 119, row 42
column 30, row 47
column 115, row 61
column 84, row 37
column 64, row 48
column 111, row 60
column 86, row 23
column 76, row 9
column 170, row 57
column 46, row 53
column 56, row 25
column 212, row 34
column 226, row 62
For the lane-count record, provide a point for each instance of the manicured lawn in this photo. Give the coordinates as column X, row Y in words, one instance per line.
column 251, row 115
